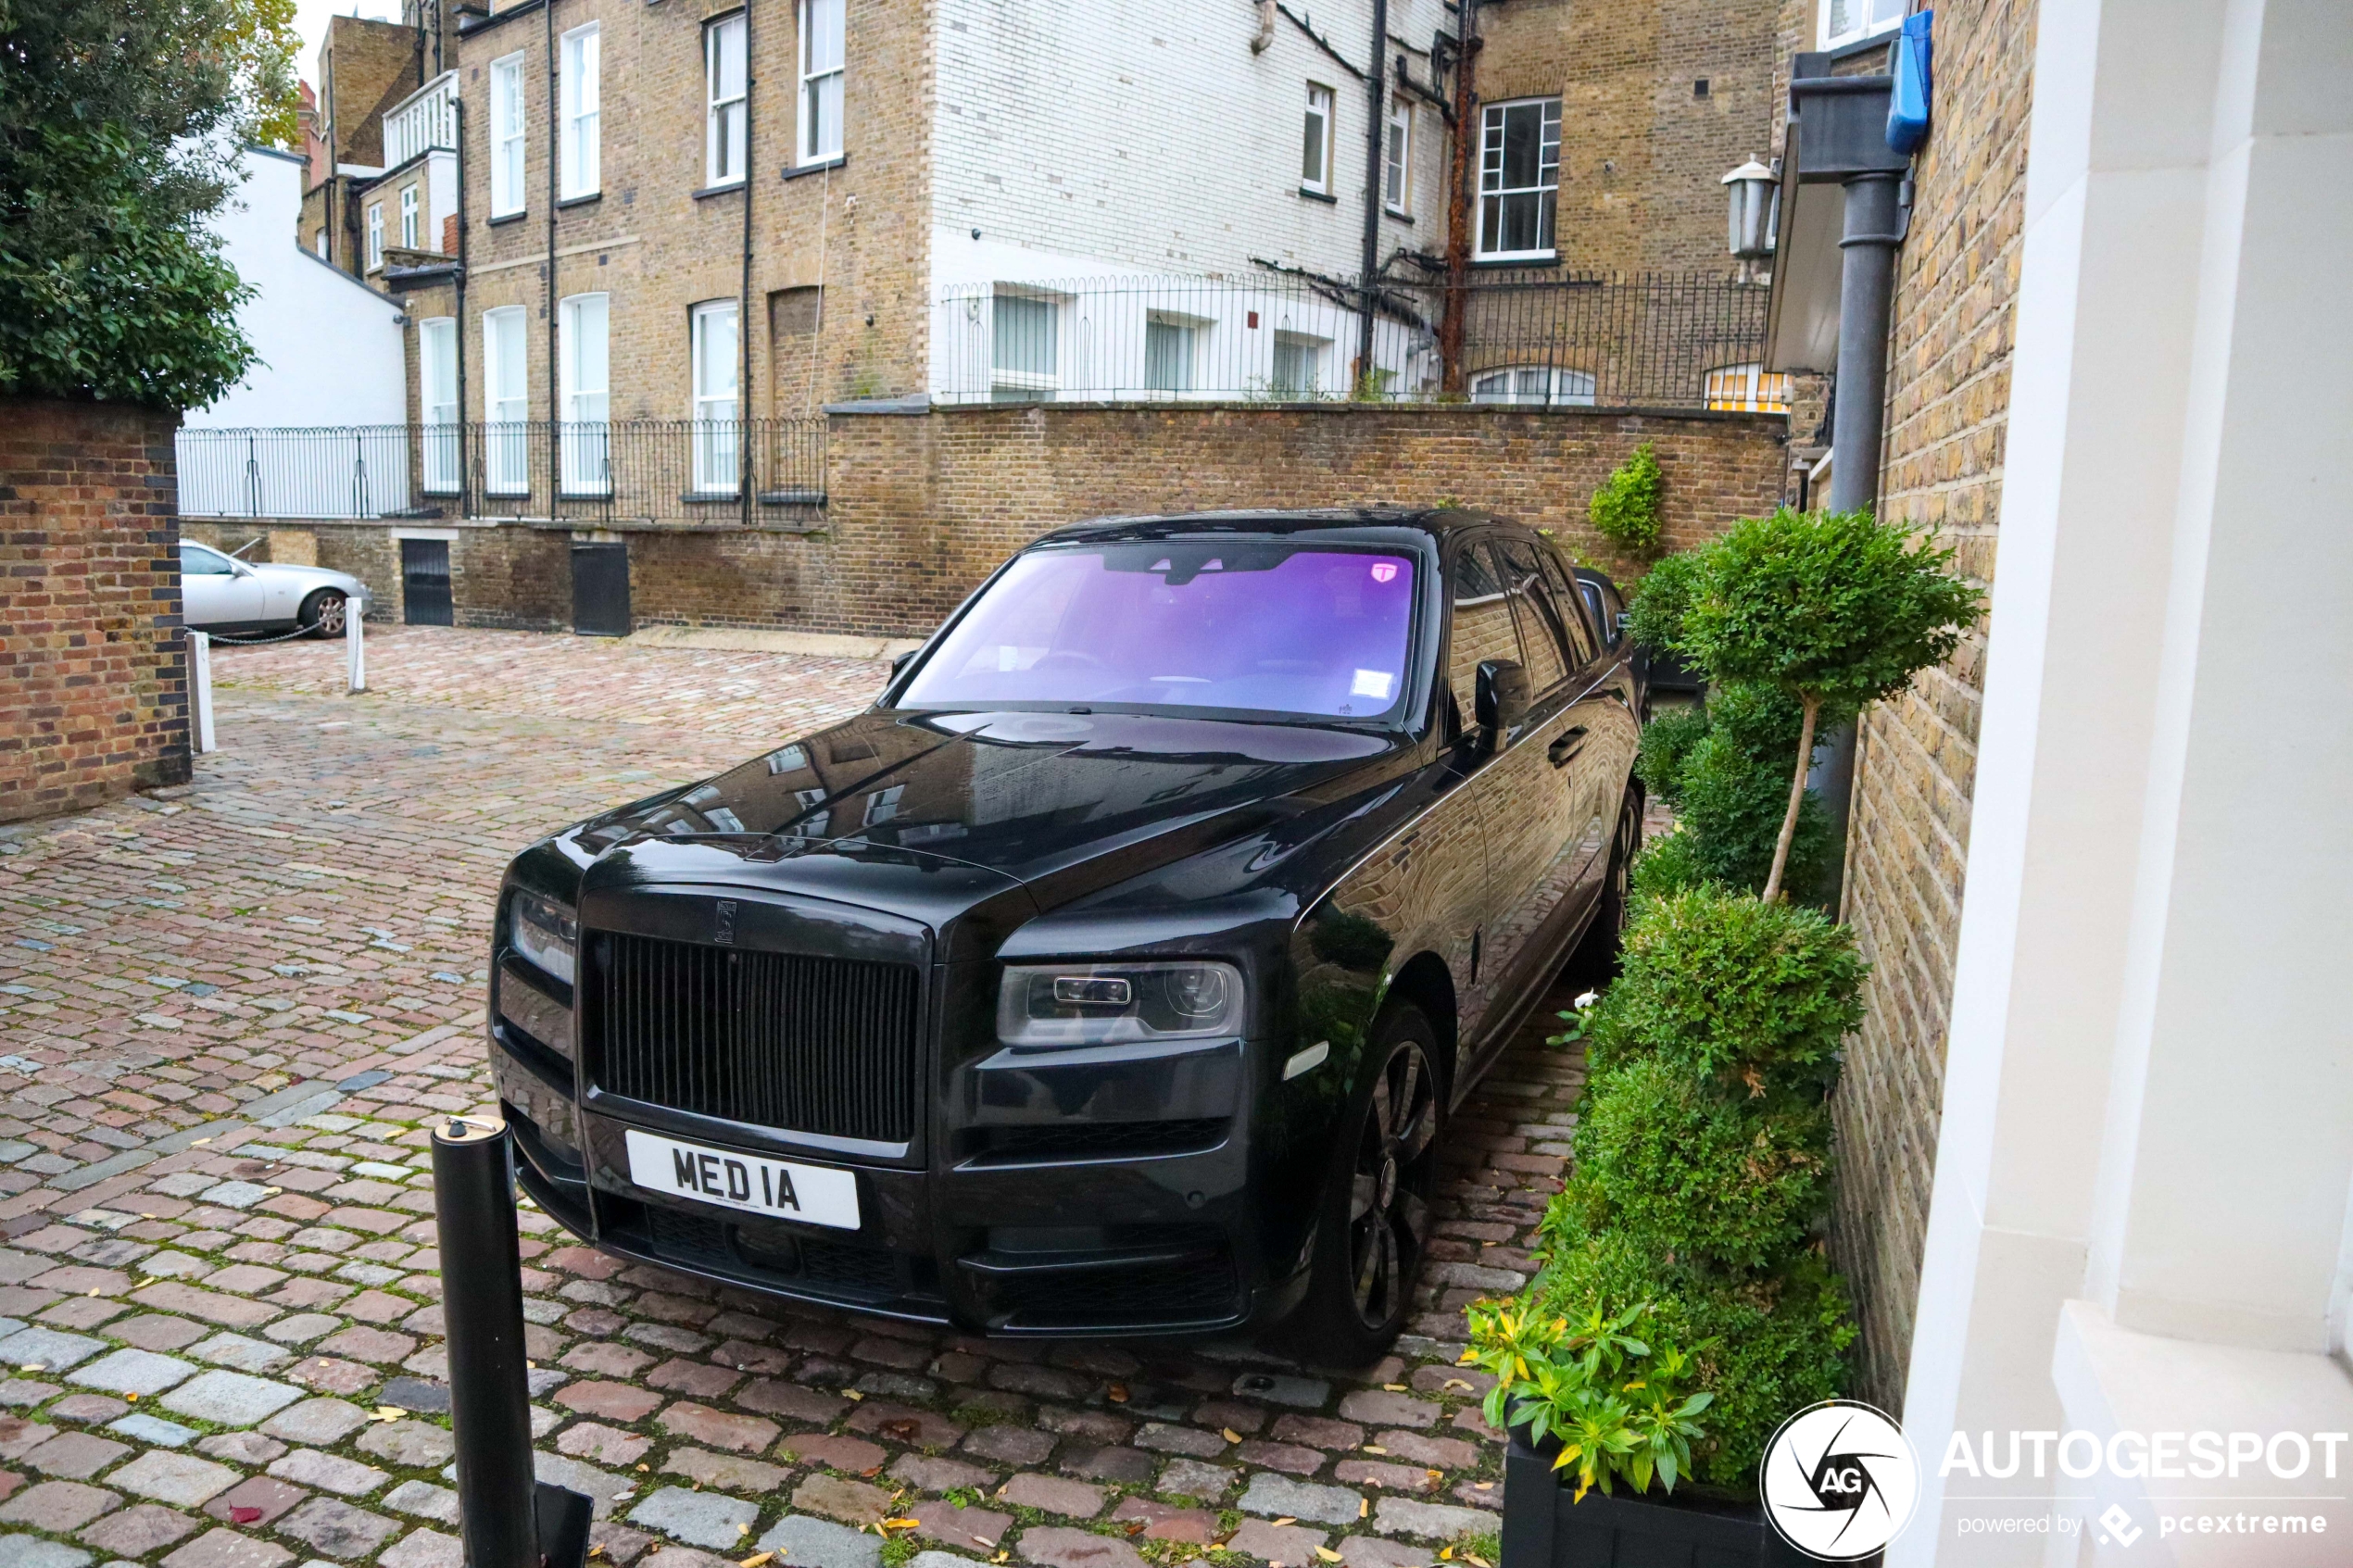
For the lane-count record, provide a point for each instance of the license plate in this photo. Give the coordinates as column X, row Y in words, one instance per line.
column 775, row 1188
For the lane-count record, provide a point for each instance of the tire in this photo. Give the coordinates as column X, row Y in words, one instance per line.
column 1373, row 1229
column 1609, row 920
column 322, row 614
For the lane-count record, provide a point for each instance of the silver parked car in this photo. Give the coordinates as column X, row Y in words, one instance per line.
column 223, row 594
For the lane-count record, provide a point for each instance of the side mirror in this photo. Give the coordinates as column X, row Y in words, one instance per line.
column 899, row 664
column 1502, row 696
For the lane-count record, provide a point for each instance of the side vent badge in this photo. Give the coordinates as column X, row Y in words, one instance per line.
column 1307, row 1061
column 723, row 926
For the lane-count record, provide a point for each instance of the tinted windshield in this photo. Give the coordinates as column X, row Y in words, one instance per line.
column 1265, row 627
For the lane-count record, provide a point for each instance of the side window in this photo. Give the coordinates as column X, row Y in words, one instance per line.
column 1572, row 608
column 1482, row 627
column 195, row 560
column 1531, row 601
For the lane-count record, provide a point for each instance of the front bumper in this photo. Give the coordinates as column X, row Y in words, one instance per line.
column 1004, row 1225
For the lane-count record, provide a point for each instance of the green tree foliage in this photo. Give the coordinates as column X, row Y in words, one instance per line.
column 1734, row 790
column 1834, row 608
column 1754, row 997
column 1668, row 1156
column 1668, row 741
column 1625, row 509
column 120, row 126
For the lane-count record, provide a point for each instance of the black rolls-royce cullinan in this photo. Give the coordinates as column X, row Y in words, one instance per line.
column 1117, row 970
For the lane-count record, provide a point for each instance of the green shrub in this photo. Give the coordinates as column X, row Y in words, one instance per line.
column 1667, row 865
column 1668, row 741
column 1621, row 1407
column 1768, row 1345
column 1666, row 1157
column 1655, row 612
column 1835, row 609
column 1625, row 509
column 1732, row 808
column 1754, row 995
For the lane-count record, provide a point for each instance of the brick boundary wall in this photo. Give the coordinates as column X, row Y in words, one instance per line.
column 93, row 676
column 922, row 504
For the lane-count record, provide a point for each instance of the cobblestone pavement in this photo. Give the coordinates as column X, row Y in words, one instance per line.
column 225, row 1015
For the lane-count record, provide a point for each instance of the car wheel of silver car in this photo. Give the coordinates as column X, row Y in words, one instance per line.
column 322, row 613
column 1375, row 1229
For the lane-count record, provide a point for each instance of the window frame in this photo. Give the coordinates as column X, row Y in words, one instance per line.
column 409, row 217
column 1025, row 385
column 582, row 465
column 1397, row 159
column 506, row 441
column 580, row 82
column 715, row 438
column 1555, row 397
column 1866, row 28
column 438, row 373
column 1179, row 339
column 715, row 33
column 1494, row 137
column 810, row 144
column 510, row 144
column 1322, row 107
column 375, row 235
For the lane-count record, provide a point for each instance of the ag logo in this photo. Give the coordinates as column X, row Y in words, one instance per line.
column 1839, row 1481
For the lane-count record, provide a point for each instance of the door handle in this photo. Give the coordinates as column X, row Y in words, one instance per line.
column 1567, row 746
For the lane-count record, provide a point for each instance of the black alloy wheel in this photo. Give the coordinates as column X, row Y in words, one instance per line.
column 1617, row 890
column 1374, row 1228
column 322, row 613
column 1389, row 1190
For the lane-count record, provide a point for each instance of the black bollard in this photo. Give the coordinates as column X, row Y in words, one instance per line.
column 508, row 1518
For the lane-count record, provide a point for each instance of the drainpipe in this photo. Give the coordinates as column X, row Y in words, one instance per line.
column 458, row 135
column 1378, row 96
column 1452, row 322
column 1840, row 126
column 555, row 156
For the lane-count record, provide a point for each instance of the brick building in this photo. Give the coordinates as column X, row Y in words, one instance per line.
column 94, row 680
column 365, row 69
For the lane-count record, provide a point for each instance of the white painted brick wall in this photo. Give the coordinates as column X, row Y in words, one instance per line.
column 1143, row 136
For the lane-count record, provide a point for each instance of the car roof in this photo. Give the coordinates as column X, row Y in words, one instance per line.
column 1439, row 522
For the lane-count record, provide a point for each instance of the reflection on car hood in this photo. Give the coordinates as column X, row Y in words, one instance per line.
column 1026, row 795
column 315, row 575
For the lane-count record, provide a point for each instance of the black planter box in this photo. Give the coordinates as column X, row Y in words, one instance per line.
column 1543, row 1529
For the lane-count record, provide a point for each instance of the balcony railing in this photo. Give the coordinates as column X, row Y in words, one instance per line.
column 1666, row 341
column 425, row 120
column 719, row 472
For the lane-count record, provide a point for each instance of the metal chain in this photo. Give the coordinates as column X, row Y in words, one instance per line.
column 257, row 642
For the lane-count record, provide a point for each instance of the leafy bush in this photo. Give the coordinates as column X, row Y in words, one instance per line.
column 1754, row 996
column 1655, row 612
column 1667, row 865
column 1625, row 509
column 1664, row 1156
column 1834, row 608
column 1621, row 1409
column 1668, row 741
column 1732, row 808
column 1767, row 1344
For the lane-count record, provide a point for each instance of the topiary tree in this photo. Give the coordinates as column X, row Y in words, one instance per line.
column 1625, row 509
column 1835, row 609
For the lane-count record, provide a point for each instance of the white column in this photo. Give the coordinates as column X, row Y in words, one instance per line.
column 354, row 649
column 2134, row 1037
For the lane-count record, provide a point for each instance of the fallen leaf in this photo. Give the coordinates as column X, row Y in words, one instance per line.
column 34, row 1366
column 757, row 1560
column 1117, row 1391
column 92, row 1291
column 1475, row 1560
column 904, row 1431
column 389, row 1413
column 1229, row 1434
column 1327, row 1554
column 644, row 1469
column 1482, row 1485
column 245, row 1516
column 1394, row 1387
column 597, row 1550
column 1458, row 1383
column 1287, row 1519
column 901, row 1523
column 1446, row 1553
column 1375, row 1449
column 133, row 1397
column 1364, row 1506
column 851, row 1394
column 1136, row 1527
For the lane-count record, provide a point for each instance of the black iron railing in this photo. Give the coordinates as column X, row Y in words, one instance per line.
column 716, row 472
column 1664, row 340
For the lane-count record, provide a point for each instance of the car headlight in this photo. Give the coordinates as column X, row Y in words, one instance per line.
column 1110, row 1004
column 546, row 934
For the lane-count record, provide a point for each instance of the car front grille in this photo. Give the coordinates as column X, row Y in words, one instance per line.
column 792, row 1041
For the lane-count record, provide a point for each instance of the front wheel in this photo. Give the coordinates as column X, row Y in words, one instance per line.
column 1376, row 1221
column 322, row 613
